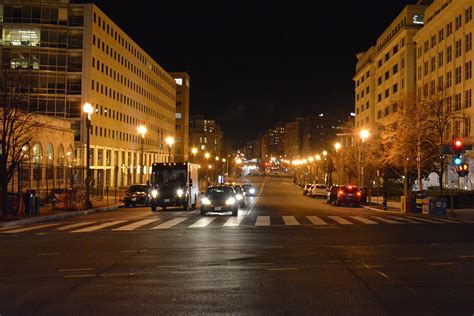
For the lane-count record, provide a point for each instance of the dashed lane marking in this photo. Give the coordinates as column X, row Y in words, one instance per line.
column 341, row 220
column 97, row 227
column 138, row 224
column 316, row 220
column 290, row 220
column 170, row 223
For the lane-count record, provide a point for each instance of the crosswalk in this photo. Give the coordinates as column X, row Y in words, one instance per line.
column 198, row 222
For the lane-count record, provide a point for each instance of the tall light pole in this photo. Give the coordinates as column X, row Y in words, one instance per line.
column 337, row 146
column 364, row 134
column 194, row 151
column 170, row 142
column 88, row 110
column 142, row 131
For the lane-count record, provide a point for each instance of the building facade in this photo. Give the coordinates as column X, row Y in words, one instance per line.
column 205, row 135
column 74, row 55
column 386, row 73
column 319, row 132
column 182, row 80
column 294, row 139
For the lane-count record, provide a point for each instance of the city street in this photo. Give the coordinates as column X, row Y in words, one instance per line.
column 284, row 253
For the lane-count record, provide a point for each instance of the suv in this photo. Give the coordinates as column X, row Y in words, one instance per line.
column 348, row 195
column 137, row 194
column 319, row 190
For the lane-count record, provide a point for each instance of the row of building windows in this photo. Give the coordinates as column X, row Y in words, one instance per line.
column 125, row 137
column 109, row 51
column 109, row 29
column 392, row 34
column 448, row 81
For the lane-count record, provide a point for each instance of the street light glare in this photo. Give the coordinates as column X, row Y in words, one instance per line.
column 142, row 130
column 207, row 155
column 170, row 141
column 337, row 146
column 87, row 108
column 364, row 134
column 325, row 153
column 194, row 150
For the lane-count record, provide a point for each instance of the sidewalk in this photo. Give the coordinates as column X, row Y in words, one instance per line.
column 394, row 206
column 47, row 214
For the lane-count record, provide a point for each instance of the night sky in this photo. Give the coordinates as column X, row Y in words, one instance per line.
column 255, row 64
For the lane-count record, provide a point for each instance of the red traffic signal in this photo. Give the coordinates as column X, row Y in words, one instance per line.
column 458, row 144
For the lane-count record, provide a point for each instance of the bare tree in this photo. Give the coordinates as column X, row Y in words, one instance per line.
column 17, row 128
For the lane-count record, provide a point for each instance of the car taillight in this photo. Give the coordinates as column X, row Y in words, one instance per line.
column 359, row 193
column 340, row 192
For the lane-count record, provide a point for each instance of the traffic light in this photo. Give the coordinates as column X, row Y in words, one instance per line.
column 458, row 149
column 462, row 170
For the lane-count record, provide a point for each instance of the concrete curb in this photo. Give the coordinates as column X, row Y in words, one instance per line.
column 381, row 211
column 57, row 217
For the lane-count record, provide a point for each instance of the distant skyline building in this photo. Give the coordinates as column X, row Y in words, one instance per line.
column 205, row 135
column 75, row 54
column 294, row 139
column 183, row 88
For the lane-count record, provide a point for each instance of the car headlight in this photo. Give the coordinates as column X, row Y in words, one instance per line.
column 252, row 191
column 239, row 196
column 154, row 193
column 206, row 201
column 230, row 201
column 180, row 192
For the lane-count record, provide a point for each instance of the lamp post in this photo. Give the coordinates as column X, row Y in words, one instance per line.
column 170, row 142
column 364, row 134
column 207, row 156
column 88, row 110
column 194, row 151
column 337, row 146
column 142, row 131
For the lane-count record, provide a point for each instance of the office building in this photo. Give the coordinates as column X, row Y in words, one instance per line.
column 182, row 80
column 205, row 135
column 75, row 54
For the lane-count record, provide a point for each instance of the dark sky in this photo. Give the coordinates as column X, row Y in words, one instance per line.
column 254, row 64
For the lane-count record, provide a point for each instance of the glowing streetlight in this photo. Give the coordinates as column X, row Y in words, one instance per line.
column 170, row 141
column 88, row 110
column 238, row 161
column 318, row 157
column 325, row 153
column 310, row 159
column 364, row 134
column 207, row 155
column 217, row 158
column 142, row 131
column 337, row 146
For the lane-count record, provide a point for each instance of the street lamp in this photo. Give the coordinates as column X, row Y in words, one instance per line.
column 194, row 151
column 337, row 146
column 142, row 131
column 364, row 134
column 170, row 142
column 88, row 110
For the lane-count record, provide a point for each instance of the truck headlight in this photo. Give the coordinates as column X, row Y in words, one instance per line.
column 206, row 201
column 180, row 192
column 154, row 193
column 230, row 201
column 239, row 196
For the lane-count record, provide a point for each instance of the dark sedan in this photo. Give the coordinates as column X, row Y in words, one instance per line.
column 219, row 199
column 249, row 189
column 137, row 194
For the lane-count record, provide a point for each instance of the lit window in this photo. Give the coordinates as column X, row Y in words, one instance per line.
column 21, row 37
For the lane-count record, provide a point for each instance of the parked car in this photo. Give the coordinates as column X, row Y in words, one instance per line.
column 319, row 190
column 137, row 194
column 219, row 199
column 249, row 189
column 306, row 189
column 348, row 195
column 332, row 194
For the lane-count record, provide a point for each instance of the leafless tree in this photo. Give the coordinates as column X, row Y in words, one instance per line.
column 17, row 127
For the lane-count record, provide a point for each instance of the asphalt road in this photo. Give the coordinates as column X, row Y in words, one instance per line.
column 284, row 254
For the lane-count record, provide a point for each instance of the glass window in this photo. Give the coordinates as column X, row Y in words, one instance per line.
column 21, row 36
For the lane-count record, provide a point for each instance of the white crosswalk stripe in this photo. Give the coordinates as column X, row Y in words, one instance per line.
column 70, row 226
column 290, row 220
column 233, row 221
column 404, row 219
column 423, row 220
column 170, row 223
column 97, row 227
column 28, row 228
column 386, row 220
column 316, row 220
column 263, row 221
column 203, row 222
column 138, row 224
column 341, row 220
column 364, row 220
column 444, row 220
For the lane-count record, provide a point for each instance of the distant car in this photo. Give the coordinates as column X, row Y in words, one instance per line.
column 137, row 194
column 332, row 194
column 306, row 189
column 249, row 189
column 319, row 190
column 239, row 194
column 348, row 195
column 219, row 199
